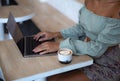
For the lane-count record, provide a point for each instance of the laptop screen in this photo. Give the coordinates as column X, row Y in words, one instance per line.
column 13, row 29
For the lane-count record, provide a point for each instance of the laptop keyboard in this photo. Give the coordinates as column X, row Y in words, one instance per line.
column 30, row 45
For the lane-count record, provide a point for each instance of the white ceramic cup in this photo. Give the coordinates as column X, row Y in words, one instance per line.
column 65, row 55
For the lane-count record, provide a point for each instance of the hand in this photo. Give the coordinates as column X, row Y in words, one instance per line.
column 47, row 47
column 42, row 36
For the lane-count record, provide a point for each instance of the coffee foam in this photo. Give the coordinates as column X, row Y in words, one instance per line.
column 65, row 51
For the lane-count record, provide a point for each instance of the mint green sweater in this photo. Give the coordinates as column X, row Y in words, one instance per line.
column 103, row 32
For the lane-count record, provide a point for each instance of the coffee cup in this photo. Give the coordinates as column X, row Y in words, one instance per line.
column 65, row 55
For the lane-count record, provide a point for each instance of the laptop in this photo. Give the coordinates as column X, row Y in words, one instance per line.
column 24, row 43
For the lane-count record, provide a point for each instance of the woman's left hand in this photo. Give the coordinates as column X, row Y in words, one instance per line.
column 46, row 47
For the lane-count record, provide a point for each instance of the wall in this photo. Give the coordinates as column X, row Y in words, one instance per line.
column 69, row 8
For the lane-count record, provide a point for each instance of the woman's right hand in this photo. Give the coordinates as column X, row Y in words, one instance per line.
column 42, row 36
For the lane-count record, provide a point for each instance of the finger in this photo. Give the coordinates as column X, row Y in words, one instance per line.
column 44, row 52
column 36, row 37
column 42, row 39
column 38, row 49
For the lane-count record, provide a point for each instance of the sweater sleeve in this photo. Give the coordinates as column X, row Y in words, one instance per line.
column 108, row 37
column 73, row 32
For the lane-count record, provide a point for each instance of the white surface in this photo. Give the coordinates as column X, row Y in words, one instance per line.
column 41, row 79
column 56, row 71
column 18, row 19
column 1, row 74
column 64, row 58
column 1, row 32
column 69, row 8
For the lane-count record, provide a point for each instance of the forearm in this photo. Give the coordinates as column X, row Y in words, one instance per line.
column 57, row 35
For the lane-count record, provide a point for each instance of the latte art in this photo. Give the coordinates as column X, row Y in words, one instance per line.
column 65, row 52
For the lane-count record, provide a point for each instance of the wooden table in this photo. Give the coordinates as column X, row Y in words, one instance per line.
column 20, row 13
column 17, row 68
